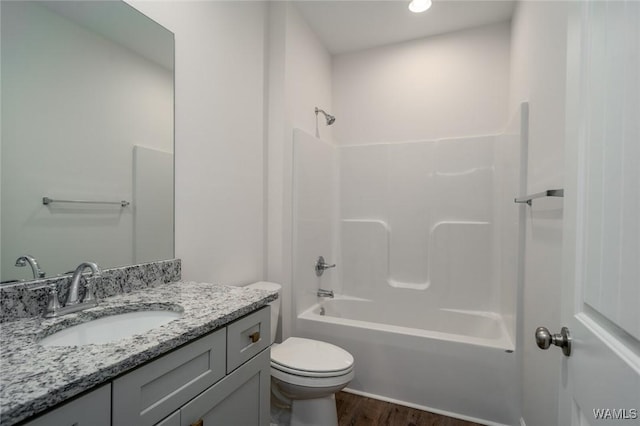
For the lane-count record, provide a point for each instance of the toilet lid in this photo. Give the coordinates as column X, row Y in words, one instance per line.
column 300, row 354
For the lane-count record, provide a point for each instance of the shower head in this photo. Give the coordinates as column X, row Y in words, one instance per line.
column 330, row 118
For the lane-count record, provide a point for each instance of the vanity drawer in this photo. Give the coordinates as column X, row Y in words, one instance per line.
column 247, row 337
column 152, row 392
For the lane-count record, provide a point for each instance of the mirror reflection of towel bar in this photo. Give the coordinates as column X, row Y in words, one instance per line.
column 548, row 193
column 47, row 200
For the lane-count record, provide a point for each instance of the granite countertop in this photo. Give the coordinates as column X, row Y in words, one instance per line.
column 34, row 378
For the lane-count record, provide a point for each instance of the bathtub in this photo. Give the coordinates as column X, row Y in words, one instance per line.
column 453, row 362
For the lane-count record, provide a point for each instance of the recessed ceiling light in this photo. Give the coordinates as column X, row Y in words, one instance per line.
column 418, row 6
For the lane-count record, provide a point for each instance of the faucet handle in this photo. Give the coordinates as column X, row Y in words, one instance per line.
column 89, row 290
column 53, row 303
column 89, row 295
column 321, row 265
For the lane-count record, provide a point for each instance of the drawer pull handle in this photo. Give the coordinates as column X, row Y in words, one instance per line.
column 255, row 336
column 198, row 423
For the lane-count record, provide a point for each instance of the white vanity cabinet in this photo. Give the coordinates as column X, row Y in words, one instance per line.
column 92, row 409
column 221, row 378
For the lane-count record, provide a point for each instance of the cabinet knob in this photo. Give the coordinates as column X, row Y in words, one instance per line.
column 255, row 336
column 200, row 422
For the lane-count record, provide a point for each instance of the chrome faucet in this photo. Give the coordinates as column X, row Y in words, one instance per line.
column 73, row 297
column 325, row 293
column 31, row 261
column 73, row 302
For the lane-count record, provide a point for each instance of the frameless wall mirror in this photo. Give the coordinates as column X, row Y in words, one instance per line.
column 87, row 137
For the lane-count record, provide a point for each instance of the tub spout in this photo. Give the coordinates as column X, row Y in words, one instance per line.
column 325, row 293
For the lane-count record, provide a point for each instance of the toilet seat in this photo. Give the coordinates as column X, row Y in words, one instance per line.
column 304, row 373
column 311, row 363
column 311, row 357
column 312, row 382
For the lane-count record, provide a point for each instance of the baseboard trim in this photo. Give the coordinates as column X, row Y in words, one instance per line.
column 425, row 408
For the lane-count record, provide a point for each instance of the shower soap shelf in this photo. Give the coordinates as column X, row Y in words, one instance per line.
column 548, row 193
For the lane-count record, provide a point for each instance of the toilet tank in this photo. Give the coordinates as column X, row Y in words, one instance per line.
column 275, row 305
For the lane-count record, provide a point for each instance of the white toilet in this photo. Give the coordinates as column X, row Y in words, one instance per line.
column 306, row 373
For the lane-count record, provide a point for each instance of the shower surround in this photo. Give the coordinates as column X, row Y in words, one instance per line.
column 424, row 235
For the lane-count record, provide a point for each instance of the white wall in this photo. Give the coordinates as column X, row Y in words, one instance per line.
column 299, row 80
column 314, row 206
column 538, row 64
column 452, row 85
column 74, row 105
column 308, row 76
column 219, row 84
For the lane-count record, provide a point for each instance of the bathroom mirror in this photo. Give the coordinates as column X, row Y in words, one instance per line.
column 87, row 116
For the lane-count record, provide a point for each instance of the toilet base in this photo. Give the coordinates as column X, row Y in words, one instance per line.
column 314, row 412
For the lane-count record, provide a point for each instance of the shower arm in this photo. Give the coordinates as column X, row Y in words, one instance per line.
column 328, row 117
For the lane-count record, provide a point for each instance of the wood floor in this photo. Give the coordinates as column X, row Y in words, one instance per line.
column 355, row 410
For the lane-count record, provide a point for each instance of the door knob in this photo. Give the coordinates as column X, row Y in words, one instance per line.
column 544, row 339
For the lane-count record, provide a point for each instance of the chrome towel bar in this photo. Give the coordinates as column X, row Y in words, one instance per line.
column 47, row 200
column 548, row 193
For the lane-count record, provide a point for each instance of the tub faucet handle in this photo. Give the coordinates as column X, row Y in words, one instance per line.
column 321, row 265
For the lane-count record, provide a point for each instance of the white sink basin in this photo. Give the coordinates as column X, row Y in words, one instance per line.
column 110, row 328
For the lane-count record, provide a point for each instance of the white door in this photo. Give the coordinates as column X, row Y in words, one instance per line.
column 600, row 381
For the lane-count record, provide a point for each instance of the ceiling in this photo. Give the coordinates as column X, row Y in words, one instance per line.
column 348, row 25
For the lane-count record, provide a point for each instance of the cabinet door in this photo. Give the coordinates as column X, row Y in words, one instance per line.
column 152, row 392
column 240, row 399
column 92, row 409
